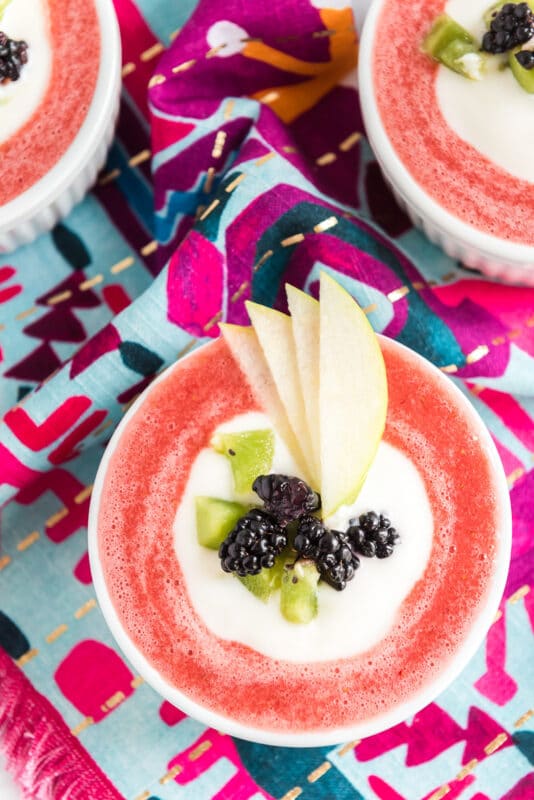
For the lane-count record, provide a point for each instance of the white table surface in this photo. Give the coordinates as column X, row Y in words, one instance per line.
column 8, row 789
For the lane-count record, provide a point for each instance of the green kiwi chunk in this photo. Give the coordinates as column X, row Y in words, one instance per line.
column 215, row 519
column 250, row 454
column 454, row 47
column 524, row 77
column 299, row 596
column 268, row 580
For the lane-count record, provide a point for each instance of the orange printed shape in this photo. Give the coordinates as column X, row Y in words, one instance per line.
column 290, row 102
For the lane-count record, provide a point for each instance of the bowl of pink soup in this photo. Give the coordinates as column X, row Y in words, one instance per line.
column 377, row 652
column 58, row 113
column 455, row 150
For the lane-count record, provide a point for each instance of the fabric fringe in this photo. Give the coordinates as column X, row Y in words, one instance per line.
column 44, row 757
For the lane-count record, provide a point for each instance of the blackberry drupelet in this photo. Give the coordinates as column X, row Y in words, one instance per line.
column 309, row 532
column 513, row 25
column 334, row 555
column 13, row 55
column 253, row 544
column 372, row 535
column 286, row 498
column 525, row 58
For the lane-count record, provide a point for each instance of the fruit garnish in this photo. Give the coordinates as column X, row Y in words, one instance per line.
column 353, row 396
column 215, row 519
column 266, row 581
column 298, row 595
column 511, row 26
column 331, row 351
column 452, row 45
column 249, row 453
column 305, row 322
column 286, row 498
column 522, row 66
column 13, row 56
column 331, row 551
column 253, row 544
column 275, row 335
column 373, row 535
column 246, row 350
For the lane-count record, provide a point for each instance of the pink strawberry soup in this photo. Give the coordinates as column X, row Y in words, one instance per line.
column 454, row 171
column 73, row 38
column 144, row 483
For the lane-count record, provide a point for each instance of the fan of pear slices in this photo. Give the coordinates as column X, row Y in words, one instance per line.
column 321, row 378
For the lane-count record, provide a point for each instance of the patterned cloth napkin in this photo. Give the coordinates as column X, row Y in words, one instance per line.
column 260, row 174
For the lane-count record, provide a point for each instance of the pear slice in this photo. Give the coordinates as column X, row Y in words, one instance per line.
column 247, row 352
column 353, row 396
column 275, row 335
column 305, row 320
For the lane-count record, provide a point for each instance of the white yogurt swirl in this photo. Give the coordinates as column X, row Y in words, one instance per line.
column 349, row 622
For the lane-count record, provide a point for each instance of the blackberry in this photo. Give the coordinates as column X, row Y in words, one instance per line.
column 334, row 555
column 252, row 544
column 525, row 58
column 13, row 55
column 513, row 25
column 372, row 535
column 286, row 498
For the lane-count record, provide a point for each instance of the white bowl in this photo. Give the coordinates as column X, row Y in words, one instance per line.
column 496, row 257
column 379, row 723
column 51, row 198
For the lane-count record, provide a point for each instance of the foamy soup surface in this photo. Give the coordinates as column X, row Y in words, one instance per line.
column 42, row 112
column 374, row 645
column 467, row 143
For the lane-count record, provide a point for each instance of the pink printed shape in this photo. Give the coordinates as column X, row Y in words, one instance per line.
column 481, row 729
column 523, row 790
column 67, row 488
column 432, row 732
column 510, row 462
column 383, row 790
column 104, row 341
column 240, row 786
column 66, row 450
column 195, row 286
column 13, row 472
column 94, row 679
column 10, row 291
column 166, row 132
column 496, row 684
column 511, row 413
column 170, row 714
column 35, row 435
column 136, row 37
column 82, row 570
column 116, row 297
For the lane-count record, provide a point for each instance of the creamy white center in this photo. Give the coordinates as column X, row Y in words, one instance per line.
column 349, row 622
column 494, row 114
column 27, row 20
